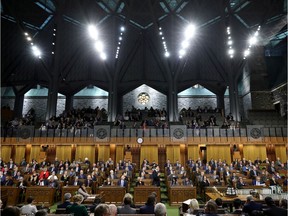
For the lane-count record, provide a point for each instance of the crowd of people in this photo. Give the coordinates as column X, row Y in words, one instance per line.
column 197, row 173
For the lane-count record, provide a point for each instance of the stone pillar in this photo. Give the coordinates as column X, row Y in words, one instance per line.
column 220, row 102
column 69, row 102
column 56, row 66
column 18, row 105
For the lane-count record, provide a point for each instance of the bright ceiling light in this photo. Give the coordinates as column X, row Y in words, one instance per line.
column 29, row 38
column 93, row 32
column 122, row 28
column 230, row 51
column 253, row 40
column 182, row 52
column 36, row 51
column 190, row 31
column 167, row 54
column 230, row 42
column 99, row 46
column 246, row 53
column 185, row 44
column 26, row 34
column 103, row 56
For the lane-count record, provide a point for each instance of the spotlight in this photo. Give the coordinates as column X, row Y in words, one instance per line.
column 167, row 54
column 54, row 34
column 120, row 38
column 29, row 38
column 246, row 52
column 163, row 38
column 99, row 46
column 160, row 28
column 36, row 51
column 230, row 42
column 190, row 31
column 122, row 28
column 185, row 44
column 256, row 34
column 93, row 32
column 103, row 56
column 54, row 29
column 26, row 34
column 53, row 43
column 52, row 53
column 160, row 33
column 253, row 40
column 230, row 51
column 182, row 52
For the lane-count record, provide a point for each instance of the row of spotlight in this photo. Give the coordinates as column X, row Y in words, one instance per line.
column 35, row 50
column 161, row 34
column 98, row 44
column 122, row 29
column 251, row 42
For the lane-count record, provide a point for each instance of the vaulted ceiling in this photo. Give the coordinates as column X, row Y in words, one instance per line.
column 75, row 63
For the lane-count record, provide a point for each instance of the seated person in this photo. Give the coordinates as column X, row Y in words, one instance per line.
column 148, row 208
column 126, row 208
column 139, row 181
column 82, row 190
column 76, row 207
column 67, row 197
column 28, row 209
column 257, row 182
column 194, row 205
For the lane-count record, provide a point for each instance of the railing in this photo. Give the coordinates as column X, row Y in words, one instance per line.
column 105, row 131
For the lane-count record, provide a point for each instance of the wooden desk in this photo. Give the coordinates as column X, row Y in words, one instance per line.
column 72, row 190
column 42, row 195
column 141, row 194
column 10, row 194
column 112, row 194
column 178, row 194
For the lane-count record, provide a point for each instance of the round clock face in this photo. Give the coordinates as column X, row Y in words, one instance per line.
column 140, row 140
column 25, row 133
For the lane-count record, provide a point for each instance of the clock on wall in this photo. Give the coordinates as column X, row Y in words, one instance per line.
column 140, row 140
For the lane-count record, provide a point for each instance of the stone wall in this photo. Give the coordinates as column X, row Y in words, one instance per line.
column 279, row 95
column 8, row 101
column 157, row 99
column 93, row 102
column 262, row 100
column 39, row 104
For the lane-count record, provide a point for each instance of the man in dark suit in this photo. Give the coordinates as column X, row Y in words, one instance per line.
column 156, row 176
column 250, row 205
column 8, row 181
column 273, row 210
column 126, row 208
column 148, row 208
column 122, row 182
column 67, row 197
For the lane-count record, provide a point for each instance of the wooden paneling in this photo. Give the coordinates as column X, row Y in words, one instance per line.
column 35, row 152
column 178, row 194
column 103, row 152
column 43, row 195
column 251, row 151
column 12, row 193
column 112, row 194
column 119, row 152
column 173, row 153
column 20, row 153
column 193, row 152
column 141, row 194
column 63, row 152
column 217, row 151
column 83, row 151
column 281, row 152
column 6, row 152
column 150, row 152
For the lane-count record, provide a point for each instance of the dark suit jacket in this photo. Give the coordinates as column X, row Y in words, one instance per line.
column 275, row 211
column 64, row 204
column 249, row 207
column 126, row 209
column 147, row 209
column 125, row 183
column 78, row 210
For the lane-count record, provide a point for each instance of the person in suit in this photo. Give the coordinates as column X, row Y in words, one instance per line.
column 237, row 206
column 102, row 210
column 75, row 182
column 251, row 205
column 139, row 181
column 240, row 183
column 88, row 182
column 8, row 181
column 148, row 208
column 156, row 176
column 272, row 209
column 76, row 207
column 67, row 197
column 126, row 208
column 257, row 182
column 112, row 175
column 253, row 173
column 122, row 182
